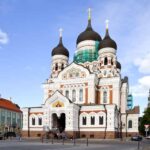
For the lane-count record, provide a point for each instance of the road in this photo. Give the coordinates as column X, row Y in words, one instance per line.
column 70, row 145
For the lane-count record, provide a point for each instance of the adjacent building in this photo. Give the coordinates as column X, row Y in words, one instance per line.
column 87, row 97
column 10, row 116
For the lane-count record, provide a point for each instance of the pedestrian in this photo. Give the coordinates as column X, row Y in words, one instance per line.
column 20, row 137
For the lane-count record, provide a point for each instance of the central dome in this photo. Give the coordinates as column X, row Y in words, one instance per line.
column 88, row 34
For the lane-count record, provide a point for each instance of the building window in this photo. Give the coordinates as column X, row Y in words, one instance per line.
column 101, row 120
column 62, row 66
column 130, row 124
column 81, row 95
column 74, row 95
column 8, row 118
column 67, row 94
column 40, row 121
column 105, row 61
column 33, row 121
column 111, row 61
column 77, row 74
column 92, row 120
column 105, row 97
column 2, row 117
column 56, row 66
column 84, row 120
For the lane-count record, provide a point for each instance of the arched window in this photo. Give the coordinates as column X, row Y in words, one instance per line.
column 92, row 120
column 33, row 121
column 73, row 95
column 111, row 61
column 105, row 97
column 101, row 120
column 40, row 121
column 105, row 61
column 62, row 66
column 81, row 95
column 56, row 66
column 67, row 94
column 84, row 120
column 130, row 124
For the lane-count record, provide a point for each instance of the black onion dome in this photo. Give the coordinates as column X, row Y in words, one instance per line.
column 107, row 42
column 118, row 65
column 88, row 34
column 60, row 49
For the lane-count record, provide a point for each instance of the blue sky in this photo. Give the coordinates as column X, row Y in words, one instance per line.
column 29, row 31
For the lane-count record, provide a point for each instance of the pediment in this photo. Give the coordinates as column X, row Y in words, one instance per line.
column 57, row 100
column 74, row 71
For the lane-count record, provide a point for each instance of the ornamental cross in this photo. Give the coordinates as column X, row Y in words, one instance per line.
column 60, row 32
column 107, row 23
column 89, row 13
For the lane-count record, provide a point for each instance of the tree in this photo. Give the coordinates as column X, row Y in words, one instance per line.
column 144, row 120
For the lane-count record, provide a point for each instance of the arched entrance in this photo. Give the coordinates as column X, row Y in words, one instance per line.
column 59, row 123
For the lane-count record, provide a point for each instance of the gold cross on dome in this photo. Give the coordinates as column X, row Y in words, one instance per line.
column 60, row 32
column 89, row 13
column 107, row 23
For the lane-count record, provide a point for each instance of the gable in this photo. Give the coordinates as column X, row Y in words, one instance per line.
column 74, row 71
column 57, row 100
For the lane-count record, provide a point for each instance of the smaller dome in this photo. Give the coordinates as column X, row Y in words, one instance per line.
column 107, row 42
column 60, row 49
column 88, row 34
column 118, row 65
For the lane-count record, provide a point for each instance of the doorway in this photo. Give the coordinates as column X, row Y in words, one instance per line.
column 59, row 123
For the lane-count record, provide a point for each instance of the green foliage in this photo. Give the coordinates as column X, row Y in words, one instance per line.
column 144, row 120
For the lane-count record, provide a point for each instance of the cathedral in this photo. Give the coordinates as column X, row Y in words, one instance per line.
column 86, row 98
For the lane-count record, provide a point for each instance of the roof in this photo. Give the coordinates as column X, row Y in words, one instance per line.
column 60, row 49
column 125, row 80
column 135, row 110
column 88, row 34
column 7, row 104
column 107, row 42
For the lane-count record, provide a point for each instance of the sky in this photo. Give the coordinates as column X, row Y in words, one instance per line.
column 29, row 32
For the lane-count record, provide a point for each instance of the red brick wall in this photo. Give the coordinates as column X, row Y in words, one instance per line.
column 98, row 134
column 32, row 133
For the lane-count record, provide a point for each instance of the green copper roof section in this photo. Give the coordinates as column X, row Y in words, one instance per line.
column 87, row 55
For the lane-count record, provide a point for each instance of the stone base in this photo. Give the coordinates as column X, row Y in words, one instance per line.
column 73, row 134
column 129, row 134
column 84, row 134
column 99, row 134
column 32, row 133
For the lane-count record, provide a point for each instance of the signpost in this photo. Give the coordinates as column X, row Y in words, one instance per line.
column 146, row 128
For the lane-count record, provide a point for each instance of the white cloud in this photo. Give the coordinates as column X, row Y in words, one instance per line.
column 3, row 37
column 141, row 89
column 143, row 64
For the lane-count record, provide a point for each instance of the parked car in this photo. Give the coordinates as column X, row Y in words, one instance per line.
column 10, row 134
column 148, row 137
column 1, row 136
column 136, row 138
